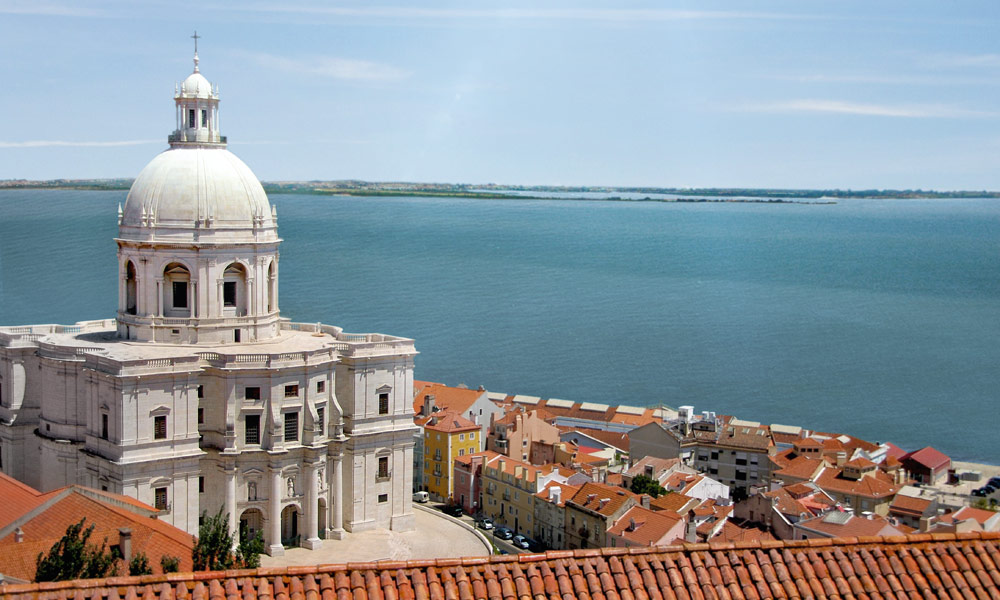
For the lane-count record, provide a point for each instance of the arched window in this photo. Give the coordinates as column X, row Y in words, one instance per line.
column 177, row 300
column 272, row 288
column 234, row 290
column 130, row 288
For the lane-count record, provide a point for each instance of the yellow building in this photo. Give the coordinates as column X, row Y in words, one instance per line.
column 447, row 435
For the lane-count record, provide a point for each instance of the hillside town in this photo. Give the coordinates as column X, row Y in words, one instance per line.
column 557, row 474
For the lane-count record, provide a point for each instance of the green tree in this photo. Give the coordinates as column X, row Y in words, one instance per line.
column 644, row 484
column 170, row 564
column 139, row 565
column 214, row 546
column 72, row 557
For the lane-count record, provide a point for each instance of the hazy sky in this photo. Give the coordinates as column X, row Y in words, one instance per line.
column 717, row 94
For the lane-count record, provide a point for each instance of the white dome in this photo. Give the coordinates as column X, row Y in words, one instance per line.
column 203, row 188
column 196, row 86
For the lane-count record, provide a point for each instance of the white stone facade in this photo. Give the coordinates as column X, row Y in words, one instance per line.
column 198, row 396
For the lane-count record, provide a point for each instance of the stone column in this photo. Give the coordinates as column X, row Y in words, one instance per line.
column 312, row 541
column 159, row 296
column 337, row 499
column 231, row 502
column 274, row 502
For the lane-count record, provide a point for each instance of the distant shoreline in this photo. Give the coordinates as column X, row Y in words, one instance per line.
column 519, row 192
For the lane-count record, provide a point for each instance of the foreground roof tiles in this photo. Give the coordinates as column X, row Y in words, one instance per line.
column 957, row 566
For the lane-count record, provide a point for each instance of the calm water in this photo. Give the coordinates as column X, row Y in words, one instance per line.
column 878, row 318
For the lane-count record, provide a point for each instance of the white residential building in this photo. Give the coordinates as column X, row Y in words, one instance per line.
column 198, row 395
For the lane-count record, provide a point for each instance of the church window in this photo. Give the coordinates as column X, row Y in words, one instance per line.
column 383, row 404
column 320, row 387
column 104, row 426
column 320, row 417
column 383, row 498
column 160, row 498
column 201, row 391
column 160, row 427
column 204, row 118
column 130, row 288
column 291, row 426
column 191, row 122
column 291, row 391
column 251, row 433
column 201, row 416
column 201, row 485
column 383, row 467
column 229, row 293
column 180, row 294
column 252, row 393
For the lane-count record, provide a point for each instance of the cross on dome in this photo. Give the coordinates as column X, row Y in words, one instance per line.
column 195, row 38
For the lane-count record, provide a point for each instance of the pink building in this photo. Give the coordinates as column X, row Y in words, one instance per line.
column 514, row 434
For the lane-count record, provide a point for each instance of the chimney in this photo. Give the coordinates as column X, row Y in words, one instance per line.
column 602, row 503
column 631, row 525
column 428, row 406
column 481, row 389
column 555, row 494
column 125, row 542
column 691, row 532
column 645, row 500
column 18, row 535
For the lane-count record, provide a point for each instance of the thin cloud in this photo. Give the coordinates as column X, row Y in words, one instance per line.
column 963, row 61
column 48, row 9
column 877, row 79
column 331, row 67
column 403, row 12
column 912, row 111
column 71, row 144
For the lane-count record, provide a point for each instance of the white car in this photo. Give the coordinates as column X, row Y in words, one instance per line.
column 421, row 497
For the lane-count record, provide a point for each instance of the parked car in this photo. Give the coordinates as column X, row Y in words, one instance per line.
column 979, row 493
column 484, row 523
column 421, row 497
column 520, row 541
column 454, row 510
column 503, row 533
column 994, row 481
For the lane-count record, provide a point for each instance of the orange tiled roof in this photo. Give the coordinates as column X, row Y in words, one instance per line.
column 445, row 397
column 965, row 565
column 450, row 422
column 673, row 501
column 731, row 532
column 928, row 457
column 644, row 527
column 838, row 524
column 600, row 498
column 149, row 535
column 18, row 499
column 878, row 485
column 909, row 505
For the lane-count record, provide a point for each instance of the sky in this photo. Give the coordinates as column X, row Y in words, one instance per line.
column 848, row 95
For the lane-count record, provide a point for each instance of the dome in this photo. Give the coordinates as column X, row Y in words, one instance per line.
column 203, row 188
column 196, row 86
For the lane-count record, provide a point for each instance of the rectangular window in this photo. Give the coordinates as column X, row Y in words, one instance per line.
column 291, row 391
column 191, row 122
column 160, row 428
column 461, row 437
column 201, row 485
column 201, row 416
column 383, row 498
column 160, row 498
column 321, row 418
column 383, row 467
column 320, row 387
column 291, row 426
column 472, row 435
column 104, row 426
column 252, row 393
column 201, row 391
column 180, row 289
column 204, row 118
column 229, row 293
column 461, row 451
column 383, row 404
column 251, row 432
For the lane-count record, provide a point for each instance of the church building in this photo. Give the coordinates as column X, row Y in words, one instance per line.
column 198, row 395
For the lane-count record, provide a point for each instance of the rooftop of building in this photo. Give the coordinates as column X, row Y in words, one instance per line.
column 928, row 457
column 600, row 498
column 963, row 565
column 644, row 526
column 445, row 397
